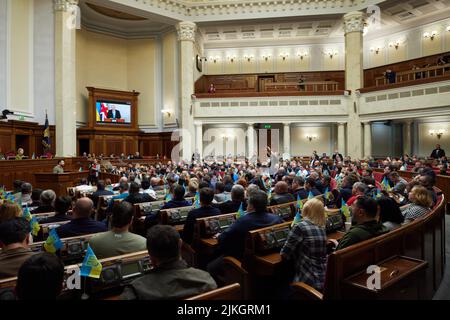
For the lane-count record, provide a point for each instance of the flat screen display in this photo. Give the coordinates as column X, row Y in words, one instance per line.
column 113, row 112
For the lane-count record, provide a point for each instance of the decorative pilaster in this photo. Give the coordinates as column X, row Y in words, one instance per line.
column 287, row 140
column 65, row 78
column 199, row 139
column 407, row 137
column 341, row 138
column 186, row 35
column 367, row 139
column 250, row 141
column 353, row 28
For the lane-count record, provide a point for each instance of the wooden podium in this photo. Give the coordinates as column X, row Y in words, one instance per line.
column 59, row 182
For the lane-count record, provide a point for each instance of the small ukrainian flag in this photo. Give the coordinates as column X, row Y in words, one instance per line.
column 91, row 267
column 310, row 195
column 26, row 214
column 168, row 197
column 197, row 200
column 345, row 210
column 53, row 242
column 35, row 227
column 327, row 194
column 240, row 212
column 297, row 218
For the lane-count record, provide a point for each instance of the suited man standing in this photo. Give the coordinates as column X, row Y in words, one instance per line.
column 437, row 153
column 337, row 156
column 113, row 113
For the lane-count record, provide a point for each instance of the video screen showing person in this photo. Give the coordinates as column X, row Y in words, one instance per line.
column 113, row 112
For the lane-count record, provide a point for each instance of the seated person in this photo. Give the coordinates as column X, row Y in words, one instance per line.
column 306, row 245
column 421, row 203
column 14, row 240
column 427, row 180
column 390, row 215
column 135, row 197
column 205, row 210
column 170, row 277
column 36, row 197
column 146, row 188
column 101, row 191
column 177, row 199
column 319, row 186
column 192, row 189
column 62, row 206
column 47, row 200
column 232, row 240
column 26, row 190
column 237, row 198
column 220, row 195
column 81, row 222
column 40, row 277
column 122, row 180
column 399, row 183
column 118, row 240
column 123, row 193
column 281, row 194
column 364, row 212
column 9, row 211
column 20, row 154
column 298, row 188
column 359, row 189
column 310, row 186
column 17, row 186
column 346, row 189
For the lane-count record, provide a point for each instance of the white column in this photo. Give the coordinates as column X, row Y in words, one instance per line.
column 407, row 137
column 186, row 36
column 199, row 138
column 65, row 78
column 250, row 140
column 286, row 140
column 367, row 139
column 341, row 138
column 353, row 28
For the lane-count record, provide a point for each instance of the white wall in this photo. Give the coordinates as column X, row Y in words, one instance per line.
column 3, row 25
column 215, row 143
column 426, row 142
column 301, row 146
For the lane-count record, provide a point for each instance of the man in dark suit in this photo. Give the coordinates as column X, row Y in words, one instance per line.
column 237, row 198
column 281, row 194
column 232, row 240
column 310, row 186
column 81, row 223
column 205, row 210
column 100, row 192
column 298, row 188
column 113, row 113
column 437, row 153
column 136, row 197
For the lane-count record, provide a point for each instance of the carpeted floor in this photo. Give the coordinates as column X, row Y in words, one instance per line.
column 443, row 292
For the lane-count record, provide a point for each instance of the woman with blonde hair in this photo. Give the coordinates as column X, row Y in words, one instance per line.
column 9, row 211
column 421, row 202
column 306, row 245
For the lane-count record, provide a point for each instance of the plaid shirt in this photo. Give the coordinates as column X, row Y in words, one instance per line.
column 414, row 211
column 307, row 246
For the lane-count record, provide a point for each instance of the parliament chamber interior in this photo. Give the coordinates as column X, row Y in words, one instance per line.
column 224, row 150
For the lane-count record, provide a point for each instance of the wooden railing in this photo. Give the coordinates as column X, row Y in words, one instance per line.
column 308, row 86
column 412, row 75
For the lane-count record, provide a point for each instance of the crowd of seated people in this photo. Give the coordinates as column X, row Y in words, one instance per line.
column 222, row 188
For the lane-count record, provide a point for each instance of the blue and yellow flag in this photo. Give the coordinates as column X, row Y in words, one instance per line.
column 168, row 197
column 235, row 177
column 299, row 203
column 197, row 200
column 297, row 218
column 269, row 194
column 385, row 184
column 26, row 214
column 46, row 143
column 327, row 194
column 35, row 227
column 90, row 267
column 53, row 242
column 240, row 212
column 310, row 195
column 345, row 210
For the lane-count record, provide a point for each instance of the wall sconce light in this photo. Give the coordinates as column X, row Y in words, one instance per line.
column 448, row 28
column 249, row 57
column 376, row 50
column 166, row 111
column 302, row 55
column 430, row 35
column 214, row 59
column 331, row 53
column 395, row 44
column 231, row 58
column 438, row 133
column 203, row 59
column 310, row 137
column 266, row 57
column 284, row 56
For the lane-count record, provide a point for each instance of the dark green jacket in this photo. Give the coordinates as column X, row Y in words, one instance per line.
column 362, row 232
column 173, row 280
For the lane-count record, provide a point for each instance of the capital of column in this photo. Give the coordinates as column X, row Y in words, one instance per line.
column 287, row 124
column 198, row 123
column 366, row 123
column 250, row 124
column 354, row 22
column 186, row 31
column 64, row 5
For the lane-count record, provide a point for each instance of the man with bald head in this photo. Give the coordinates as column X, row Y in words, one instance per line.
column 81, row 222
column 281, row 194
